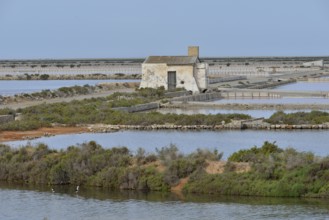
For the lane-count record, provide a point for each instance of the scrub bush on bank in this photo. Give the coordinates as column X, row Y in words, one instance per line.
column 101, row 110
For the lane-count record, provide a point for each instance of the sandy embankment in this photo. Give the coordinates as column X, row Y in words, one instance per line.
column 22, row 135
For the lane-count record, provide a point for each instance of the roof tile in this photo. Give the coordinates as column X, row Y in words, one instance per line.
column 173, row 60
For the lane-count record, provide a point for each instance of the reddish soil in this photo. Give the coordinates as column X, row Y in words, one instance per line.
column 181, row 184
column 213, row 167
column 23, row 135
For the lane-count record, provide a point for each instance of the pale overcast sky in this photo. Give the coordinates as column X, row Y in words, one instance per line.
column 33, row 29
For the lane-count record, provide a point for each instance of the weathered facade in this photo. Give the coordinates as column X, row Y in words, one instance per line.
column 173, row 72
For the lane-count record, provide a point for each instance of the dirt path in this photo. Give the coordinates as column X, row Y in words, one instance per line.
column 21, row 135
column 67, row 99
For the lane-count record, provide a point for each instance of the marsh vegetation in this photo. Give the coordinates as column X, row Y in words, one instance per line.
column 273, row 171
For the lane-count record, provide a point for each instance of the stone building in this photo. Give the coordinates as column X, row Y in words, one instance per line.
column 173, row 72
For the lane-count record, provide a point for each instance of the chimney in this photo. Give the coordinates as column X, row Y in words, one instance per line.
column 193, row 51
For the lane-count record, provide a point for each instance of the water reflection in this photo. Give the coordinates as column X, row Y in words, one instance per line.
column 100, row 193
column 23, row 202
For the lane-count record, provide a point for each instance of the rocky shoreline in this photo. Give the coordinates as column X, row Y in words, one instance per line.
column 240, row 125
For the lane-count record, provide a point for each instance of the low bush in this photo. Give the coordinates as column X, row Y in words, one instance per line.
column 274, row 172
column 297, row 118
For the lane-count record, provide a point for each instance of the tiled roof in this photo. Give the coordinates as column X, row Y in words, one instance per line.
column 172, row 60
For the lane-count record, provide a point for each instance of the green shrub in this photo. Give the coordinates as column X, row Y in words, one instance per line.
column 313, row 117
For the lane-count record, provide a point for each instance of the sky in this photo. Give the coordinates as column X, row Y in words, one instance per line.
column 48, row 29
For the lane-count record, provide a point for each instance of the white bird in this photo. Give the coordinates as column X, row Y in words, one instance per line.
column 52, row 190
column 77, row 189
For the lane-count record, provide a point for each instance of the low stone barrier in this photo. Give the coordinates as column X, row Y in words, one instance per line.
column 6, row 118
column 139, row 108
column 214, row 80
column 230, row 126
column 199, row 98
column 177, row 94
column 272, row 84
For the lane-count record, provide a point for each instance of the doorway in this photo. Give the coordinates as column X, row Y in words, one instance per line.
column 172, row 80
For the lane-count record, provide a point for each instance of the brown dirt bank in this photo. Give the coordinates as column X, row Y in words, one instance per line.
column 215, row 167
column 22, row 135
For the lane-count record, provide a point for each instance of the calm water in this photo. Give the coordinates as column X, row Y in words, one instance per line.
column 283, row 100
column 23, row 202
column 298, row 86
column 188, row 141
column 12, row 87
column 305, row 86
column 255, row 113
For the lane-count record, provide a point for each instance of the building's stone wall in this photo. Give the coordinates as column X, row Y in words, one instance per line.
column 201, row 75
column 156, row 75
column 185, row 78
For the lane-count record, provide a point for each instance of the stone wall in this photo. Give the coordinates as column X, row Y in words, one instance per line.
column 225, row 79
column 198, row 98
column 239, row 125
column 185, row 77
column 6, row 118
column 177, row 94
column 139, row 108
column 201, row 75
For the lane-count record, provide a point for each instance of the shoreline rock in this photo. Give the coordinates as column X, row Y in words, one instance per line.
column 230, row 126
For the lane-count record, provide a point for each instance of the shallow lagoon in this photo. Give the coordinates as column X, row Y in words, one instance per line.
column 12, row 87
column 305, row 86
column 298, row 86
